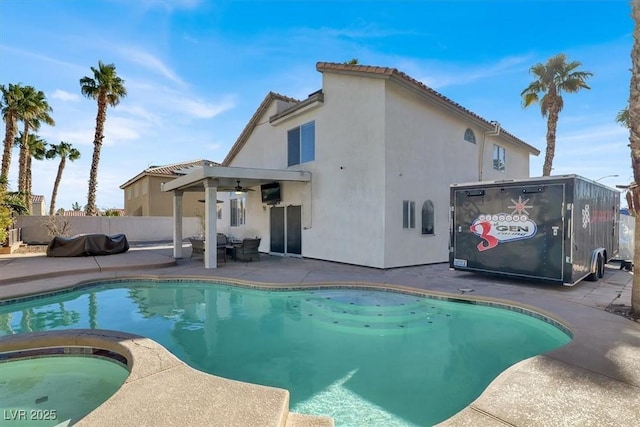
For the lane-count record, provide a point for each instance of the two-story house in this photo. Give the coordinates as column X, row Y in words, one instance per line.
column 375, row 151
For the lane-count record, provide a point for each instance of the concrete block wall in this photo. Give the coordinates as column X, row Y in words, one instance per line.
column 136, row 228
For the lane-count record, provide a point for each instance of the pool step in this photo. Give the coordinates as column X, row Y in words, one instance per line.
column 374, row 320
column 301, row 420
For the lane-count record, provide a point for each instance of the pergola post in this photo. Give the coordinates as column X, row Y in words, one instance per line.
column 177, row 224
column 210, row 224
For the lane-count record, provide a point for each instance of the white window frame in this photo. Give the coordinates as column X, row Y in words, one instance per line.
column 469, row 136
column 499, row 157
column 305, row 145
column 238, row 211
column 408, row 214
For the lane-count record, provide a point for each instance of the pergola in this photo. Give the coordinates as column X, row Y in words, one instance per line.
column 209, row 178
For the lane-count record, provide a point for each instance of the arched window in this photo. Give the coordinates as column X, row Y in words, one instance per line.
column 469, row 136
column 428, row 218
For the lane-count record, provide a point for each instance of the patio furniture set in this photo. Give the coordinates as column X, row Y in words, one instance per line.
column 236, row 249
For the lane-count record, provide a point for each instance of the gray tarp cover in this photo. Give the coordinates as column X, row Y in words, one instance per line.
column 87, row 244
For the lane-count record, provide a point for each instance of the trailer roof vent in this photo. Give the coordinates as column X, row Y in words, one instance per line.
column 471, row 193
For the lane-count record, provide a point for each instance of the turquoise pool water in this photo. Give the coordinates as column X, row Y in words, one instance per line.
column 363, row 357
column 55, row 390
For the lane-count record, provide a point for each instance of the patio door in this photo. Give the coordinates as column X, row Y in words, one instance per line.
column 285, row 229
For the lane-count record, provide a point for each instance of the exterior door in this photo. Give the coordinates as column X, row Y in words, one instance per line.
column 294, row 230
column 276, row 229
column 285, row 228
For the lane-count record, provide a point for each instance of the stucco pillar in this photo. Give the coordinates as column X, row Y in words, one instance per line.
column 177, row 224
column 210, row 224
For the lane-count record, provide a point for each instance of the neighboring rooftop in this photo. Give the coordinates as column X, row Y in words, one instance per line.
column 173, row 170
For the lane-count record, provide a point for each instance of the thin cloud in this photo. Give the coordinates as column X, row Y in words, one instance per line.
column 446, row 78
column 64, row 95
column 150, row 62
column 203, row 110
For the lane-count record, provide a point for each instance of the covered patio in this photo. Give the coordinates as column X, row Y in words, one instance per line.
column 209, row 179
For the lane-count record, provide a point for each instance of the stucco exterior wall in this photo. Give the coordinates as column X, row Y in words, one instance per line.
column 376, row 144
column 345, row 218
column 425, row 154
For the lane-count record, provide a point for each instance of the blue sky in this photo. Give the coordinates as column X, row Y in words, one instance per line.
column 196, row 70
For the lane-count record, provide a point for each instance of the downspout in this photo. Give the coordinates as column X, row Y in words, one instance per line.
column 494, row 132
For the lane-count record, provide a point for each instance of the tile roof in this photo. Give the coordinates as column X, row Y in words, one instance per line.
column 387, row 72
column 73, row 213
column 35, row 198
column 244, row 135
column 173, row 170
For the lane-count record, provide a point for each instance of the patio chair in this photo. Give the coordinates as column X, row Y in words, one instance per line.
column 247, row 250
column 197, row 247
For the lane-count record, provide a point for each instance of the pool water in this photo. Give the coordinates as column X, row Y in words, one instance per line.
column 363, row 357
column 55, row 390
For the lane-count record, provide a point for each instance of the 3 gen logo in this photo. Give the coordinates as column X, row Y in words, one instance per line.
column 502, row 228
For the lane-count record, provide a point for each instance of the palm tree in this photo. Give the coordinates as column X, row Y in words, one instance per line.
column 107, row 89
column 634, row 143
column 11, row 97
column 36, row 149
column 6, row 217
column 553, row 78
column 623, row 117
column 65, row 151
column 32, row 111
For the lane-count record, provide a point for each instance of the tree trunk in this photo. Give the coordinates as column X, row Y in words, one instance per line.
column 10, row 134
column 22, row 166
column 552, row 124
column 27, row 192
column 634, row 143
column 54, row 193
column 97, row 144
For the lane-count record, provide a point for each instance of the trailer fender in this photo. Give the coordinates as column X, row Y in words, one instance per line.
column 598, row 260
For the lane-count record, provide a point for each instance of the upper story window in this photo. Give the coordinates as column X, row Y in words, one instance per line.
column 469, row 136
column 301, row 144
column 499, row 155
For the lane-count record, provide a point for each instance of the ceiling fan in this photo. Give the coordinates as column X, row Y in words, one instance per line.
column 238, row 188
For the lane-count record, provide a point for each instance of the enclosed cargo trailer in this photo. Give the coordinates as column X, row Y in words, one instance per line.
column 559, row 228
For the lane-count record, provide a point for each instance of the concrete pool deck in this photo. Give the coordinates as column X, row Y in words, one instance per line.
column 594, row 380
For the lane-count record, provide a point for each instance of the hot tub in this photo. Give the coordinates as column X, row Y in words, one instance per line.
column 57, row 386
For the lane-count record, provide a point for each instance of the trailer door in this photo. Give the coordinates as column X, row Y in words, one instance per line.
column 512, row 229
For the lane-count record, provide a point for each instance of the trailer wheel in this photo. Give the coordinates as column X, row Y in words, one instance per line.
column 593, row 277
column 600, row 267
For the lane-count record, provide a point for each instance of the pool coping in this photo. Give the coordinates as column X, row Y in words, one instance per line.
column 593, row 380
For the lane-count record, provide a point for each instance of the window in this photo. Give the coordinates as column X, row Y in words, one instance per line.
column 498, row 157
column 219, row 210
column 469, row 136
column 237, row 211
column 301, row 144
column 428, row 218
column 408, row 214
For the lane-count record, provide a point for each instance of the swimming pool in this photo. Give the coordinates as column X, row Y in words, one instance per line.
column 361, row 356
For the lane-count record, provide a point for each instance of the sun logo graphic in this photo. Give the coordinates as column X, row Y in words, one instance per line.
column 520, row 207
